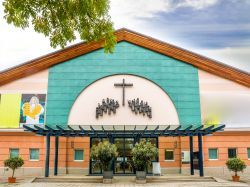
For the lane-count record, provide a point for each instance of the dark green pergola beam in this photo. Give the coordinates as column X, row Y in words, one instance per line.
column 69, row 131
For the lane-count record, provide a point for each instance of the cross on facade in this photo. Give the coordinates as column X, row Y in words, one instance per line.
column 123, row 85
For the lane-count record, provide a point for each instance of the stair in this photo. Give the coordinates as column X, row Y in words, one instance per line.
column 87, row 179
column 178, row 179
column 122, row 179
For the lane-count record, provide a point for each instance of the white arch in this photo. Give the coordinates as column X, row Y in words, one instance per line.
column 84, row 108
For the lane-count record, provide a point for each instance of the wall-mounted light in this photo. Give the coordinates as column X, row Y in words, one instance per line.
column 72, row 144
column 175, row 144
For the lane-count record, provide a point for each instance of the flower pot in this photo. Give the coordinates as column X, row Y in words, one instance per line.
column 141, row 175
column 107, row 174
column 11, row 179
column 107, row 177
column 236, row 178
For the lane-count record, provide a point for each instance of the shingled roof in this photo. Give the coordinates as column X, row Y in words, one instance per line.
column 201, row 62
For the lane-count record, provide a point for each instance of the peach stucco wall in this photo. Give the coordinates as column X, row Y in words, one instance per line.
column 33, row 84
column 25, row 141
column 177, row 144
column 222, row 141
column 224, row 101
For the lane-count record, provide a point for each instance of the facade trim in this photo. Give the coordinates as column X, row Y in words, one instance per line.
column 167, row 49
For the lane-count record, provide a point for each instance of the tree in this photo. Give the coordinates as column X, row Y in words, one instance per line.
column 104, row 153
column 14, row 163
column 236, row 165
column 143, row 153
column 61, row 20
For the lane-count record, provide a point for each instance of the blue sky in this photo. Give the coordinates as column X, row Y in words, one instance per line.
column 219, row 29
column 224, row 24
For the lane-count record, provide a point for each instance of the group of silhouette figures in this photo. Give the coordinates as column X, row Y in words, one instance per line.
column 140, row 107
column 109, row 106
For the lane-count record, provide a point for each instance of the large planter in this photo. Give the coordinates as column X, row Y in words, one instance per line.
column 107, row 174
column 141, row 175
column 11, row 179
column 107, row 177
column 236, row 178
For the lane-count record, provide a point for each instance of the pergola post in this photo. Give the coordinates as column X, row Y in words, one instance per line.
column 117, row 132
column 47, row 155
column 191, row 155
column 200, row 155
column 56, row 154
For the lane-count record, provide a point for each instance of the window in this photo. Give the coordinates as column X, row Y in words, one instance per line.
column 14, row 153
column 232, row 153
column 169, row 154
column 78, row 155
column 34, row 154
column 213, row 154
column 248, row 153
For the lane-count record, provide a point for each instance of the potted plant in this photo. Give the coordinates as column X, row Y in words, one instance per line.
column 104, row 153
column 236, row 165
column 13, row 163
column 142, row 154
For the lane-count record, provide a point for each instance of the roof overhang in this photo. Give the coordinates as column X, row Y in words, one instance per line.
column 158, row 46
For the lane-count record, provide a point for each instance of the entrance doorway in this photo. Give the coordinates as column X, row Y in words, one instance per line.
column 123, row 164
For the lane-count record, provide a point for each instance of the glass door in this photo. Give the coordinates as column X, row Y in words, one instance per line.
column 128, row 164
column 95, row 167
column 123, row 163
column 118, row 168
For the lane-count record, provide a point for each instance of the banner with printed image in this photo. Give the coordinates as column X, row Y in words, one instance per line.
column 32, row 110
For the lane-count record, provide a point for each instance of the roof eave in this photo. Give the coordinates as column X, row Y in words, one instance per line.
column 123, row 34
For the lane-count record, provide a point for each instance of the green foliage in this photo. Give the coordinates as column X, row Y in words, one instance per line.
column 14, row 163
column 236, row 165
column 104, row 153
column 62, row 20
column 143, row 153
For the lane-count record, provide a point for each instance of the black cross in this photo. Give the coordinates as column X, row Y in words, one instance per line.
column 123, row 85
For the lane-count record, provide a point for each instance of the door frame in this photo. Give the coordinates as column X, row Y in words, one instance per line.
column 111, row 140
column 124, row 150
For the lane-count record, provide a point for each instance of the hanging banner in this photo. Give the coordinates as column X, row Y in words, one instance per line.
column 10, row 110
column 32, row 109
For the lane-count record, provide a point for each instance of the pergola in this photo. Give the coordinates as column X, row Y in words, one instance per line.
column 136, row 131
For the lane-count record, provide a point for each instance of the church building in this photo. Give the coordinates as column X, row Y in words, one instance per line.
column 195, row 110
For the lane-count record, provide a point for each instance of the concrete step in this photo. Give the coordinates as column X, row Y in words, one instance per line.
column 122, row 179
column 68, row 180
column 179, row 179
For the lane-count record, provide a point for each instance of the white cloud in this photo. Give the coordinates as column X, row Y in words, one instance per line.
column 148, row 9
column 138, row 8
column 196, row 4
column 136, row 14
column 18, row 46
column 233, row 56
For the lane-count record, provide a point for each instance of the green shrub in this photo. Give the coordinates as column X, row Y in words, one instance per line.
column 236, row 165
column 142, row 154
column 14, row 163
column 104, row 153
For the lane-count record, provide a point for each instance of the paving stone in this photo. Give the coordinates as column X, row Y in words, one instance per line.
column 127, row 182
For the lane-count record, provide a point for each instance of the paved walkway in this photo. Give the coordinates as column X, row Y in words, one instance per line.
column 124, row 182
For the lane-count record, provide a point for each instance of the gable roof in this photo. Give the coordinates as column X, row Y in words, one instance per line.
column 123, row 34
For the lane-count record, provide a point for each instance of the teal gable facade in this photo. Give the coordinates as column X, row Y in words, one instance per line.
column 178, row 79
